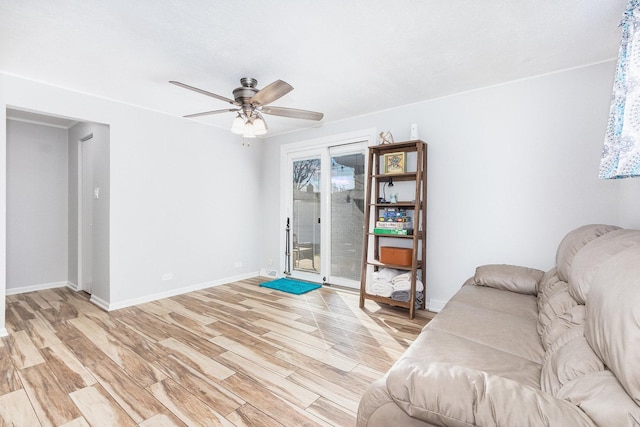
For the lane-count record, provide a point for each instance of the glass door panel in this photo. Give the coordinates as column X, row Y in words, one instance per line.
column 347, row 217
column 306, row 205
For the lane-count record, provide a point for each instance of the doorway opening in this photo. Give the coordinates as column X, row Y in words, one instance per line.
column 52, row 164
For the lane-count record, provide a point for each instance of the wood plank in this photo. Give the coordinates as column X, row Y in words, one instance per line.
column 140, row 370
column 277, row 312
column 276, row 384
column 9, row 380
column 265, row 360
column 264, row 400
column 138, row 343
column 162, row 420
column 16, row 410
column 193, row 326
column 354, row 380
column 186, row 406
column 36, row 301
column 90, row 328
column 323, row 355
column 332, row 413
column 99, row 409
column 69, row 371
column 343, row 396
column 248, row 338
column 200, row 385
column 42, row 388
column 195, row 359
column 78, row 422
column 295, row 334
column 250, row 416
column 176, row 307
column 22, row 351
column 134, row 399
column 41, row 334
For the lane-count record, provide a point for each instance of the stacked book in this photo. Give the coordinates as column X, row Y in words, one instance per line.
column 394, row 221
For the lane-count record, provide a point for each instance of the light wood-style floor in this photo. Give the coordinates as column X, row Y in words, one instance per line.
column 232, row 355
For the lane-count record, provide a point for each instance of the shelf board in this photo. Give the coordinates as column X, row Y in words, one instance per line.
column 396, row 205
column 394, row 266
column 417, row 235
column 387, row 300
column 406, row 176
column 407, row 146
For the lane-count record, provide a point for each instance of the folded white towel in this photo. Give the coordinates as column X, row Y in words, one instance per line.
column 402, row 277
column 405, row 285
column 382, row 288
column 386, row 274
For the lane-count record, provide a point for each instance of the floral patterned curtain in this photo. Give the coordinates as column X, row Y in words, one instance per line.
column 621, row 153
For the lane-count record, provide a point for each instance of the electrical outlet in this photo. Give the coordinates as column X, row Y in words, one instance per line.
column 270, row 262
column 167, row 276
column 237, row 264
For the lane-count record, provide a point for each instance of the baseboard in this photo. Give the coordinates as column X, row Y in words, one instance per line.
column 99, row 302
column 436, row 305
column 153, row 297
column 4, row 332
column 39, row 287
column 264, row 272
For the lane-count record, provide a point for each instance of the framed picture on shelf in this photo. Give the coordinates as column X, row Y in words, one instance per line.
column 394, row 163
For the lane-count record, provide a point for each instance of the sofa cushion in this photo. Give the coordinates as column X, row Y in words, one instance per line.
column 509, row 277
column 557, row 305
column 573, row 242
column 603, row 399
column 568, row 358
column 589, row 259
column 562, row 324
column 548, row 287
column 377, row 408
column 435, row 346
column 498, row 300
column 446, row 394
column 612, row 325
column 511, row 330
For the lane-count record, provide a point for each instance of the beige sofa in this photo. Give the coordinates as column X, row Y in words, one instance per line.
column 519, row 347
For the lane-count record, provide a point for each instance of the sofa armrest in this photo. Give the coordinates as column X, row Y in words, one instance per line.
column 449, row 395
column 513, row 278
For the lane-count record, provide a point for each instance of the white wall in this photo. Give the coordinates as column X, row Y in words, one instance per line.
column 184, row 196
column 630, row 202
column 512, row 168
column 36, row 205
column 3, row 204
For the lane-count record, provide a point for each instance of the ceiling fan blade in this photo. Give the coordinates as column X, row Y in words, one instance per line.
column 207, row 113
column 204, row 92
column 293, row 113
column 271, row 92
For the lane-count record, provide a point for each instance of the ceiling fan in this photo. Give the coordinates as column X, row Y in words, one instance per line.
column 251, row 103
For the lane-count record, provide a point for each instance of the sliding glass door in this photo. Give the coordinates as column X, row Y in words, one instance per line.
column 326, row 208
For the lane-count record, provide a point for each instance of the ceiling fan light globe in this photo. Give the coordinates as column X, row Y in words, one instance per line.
column 237, row 126
column 249, row 131
column 259, row 126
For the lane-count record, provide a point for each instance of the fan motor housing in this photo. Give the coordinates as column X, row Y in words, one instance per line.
column 245, row 92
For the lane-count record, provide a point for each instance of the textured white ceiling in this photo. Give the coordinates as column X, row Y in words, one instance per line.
column 344, row 58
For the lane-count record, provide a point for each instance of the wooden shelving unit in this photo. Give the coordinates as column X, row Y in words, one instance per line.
column 376, row 179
